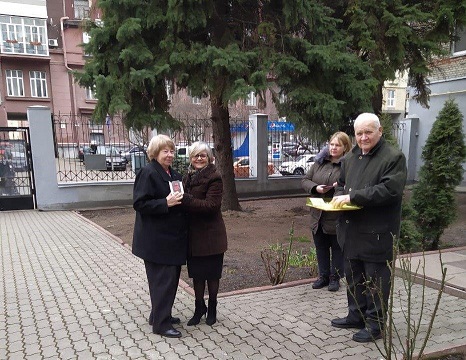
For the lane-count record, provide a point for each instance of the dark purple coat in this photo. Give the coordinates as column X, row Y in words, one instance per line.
column 203, row 201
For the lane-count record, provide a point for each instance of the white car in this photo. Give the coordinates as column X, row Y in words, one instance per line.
column 299, row 166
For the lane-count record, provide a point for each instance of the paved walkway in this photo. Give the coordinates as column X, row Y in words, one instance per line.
column 70, row 291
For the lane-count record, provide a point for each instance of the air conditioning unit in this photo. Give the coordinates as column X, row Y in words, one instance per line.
column 53, row 43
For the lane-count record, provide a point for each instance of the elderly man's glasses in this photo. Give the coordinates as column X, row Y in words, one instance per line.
column 200, row 156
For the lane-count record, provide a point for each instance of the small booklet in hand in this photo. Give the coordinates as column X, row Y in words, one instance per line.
column 176, row 186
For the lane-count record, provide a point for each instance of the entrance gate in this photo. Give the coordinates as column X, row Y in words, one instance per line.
column 17, row 190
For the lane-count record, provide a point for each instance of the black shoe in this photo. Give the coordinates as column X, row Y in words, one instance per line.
column 175, row 320
column 365, row 335
column 321, row 282
column 170, row 333
column 343, row 323
column 334, row 283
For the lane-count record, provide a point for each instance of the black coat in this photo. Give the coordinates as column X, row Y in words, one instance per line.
column 160, row 232
column 374, row 181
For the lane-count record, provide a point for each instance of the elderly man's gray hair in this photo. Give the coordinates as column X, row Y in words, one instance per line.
column 367, row 117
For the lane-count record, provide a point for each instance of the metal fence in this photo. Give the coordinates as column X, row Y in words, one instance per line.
column 77, row 139
column 87, row 151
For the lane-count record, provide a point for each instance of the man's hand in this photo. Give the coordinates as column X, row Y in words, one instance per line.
column 174, row 199
column 340, row 200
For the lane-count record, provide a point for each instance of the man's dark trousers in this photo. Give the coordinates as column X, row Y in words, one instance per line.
column 368, row 291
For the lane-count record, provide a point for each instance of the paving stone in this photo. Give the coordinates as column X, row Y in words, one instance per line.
column 67, row 353
column 87, row 307
column 49, row 351
column 16, row 356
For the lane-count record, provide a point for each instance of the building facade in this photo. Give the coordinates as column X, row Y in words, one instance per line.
column 394, row 97
column 40, row 47
column 447, row 81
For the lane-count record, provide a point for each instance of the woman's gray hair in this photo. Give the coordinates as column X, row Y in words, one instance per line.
column 200, row 146
column 157, row 143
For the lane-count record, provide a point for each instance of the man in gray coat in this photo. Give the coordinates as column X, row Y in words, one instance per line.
column 373, row 176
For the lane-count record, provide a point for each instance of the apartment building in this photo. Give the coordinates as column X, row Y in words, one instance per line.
column 24, row 59
column 447, row 81
column 40, row 47
column 394, row 96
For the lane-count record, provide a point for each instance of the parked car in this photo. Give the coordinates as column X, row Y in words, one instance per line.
column 241, row 167
column 299, row 166
column 290, row 148
column 15, row 153
column 135, row 151
column 85, row 150
column 295, row 149
column 113, row 158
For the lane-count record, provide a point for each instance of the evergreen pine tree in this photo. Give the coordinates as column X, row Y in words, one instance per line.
column 326, row 59
column 443, row 154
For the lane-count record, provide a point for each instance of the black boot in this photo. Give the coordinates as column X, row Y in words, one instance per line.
column 211, row 313
column 199, row 312
column 334, row 283
column 321, row 282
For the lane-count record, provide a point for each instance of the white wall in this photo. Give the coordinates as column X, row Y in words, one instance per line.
column 441, row 91
column 26, row 8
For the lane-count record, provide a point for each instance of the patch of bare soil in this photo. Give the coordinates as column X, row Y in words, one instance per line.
column 261, row 224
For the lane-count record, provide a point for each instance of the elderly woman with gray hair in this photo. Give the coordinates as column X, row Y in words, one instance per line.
column 207, row 237
column 160, row 232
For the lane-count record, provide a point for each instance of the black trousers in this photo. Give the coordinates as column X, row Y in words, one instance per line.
column 368, row 292
column 329, row 264
column 163, row 284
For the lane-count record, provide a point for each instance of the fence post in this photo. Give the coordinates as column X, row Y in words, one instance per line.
column 408, row 140
column 43, row 154
column 258, row 141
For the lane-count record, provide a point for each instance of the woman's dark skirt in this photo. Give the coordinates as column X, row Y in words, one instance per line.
column 205, row 267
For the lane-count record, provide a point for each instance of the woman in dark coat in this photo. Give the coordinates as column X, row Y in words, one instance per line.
column 160, row 232
column 207, row 234
column 320, row 182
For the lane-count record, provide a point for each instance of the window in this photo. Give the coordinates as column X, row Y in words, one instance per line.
column 251, row 99
column 81, row 9
column 391, row 98
column 14, row 83
column 168, row 89
column 459, row 46
column 90, row 94
column 86, row 39
column 282, row 98
column 21, row 35
column 195, row 99
column 38, row 84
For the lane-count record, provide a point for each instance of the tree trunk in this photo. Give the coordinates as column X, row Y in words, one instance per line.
column 377, row 99
column 224, row 153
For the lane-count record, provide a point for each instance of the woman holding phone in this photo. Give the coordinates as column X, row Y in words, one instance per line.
column 319, row 182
